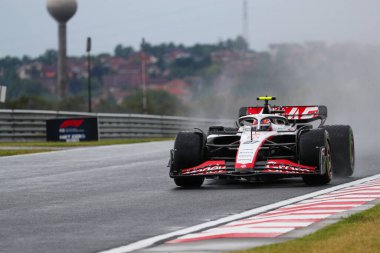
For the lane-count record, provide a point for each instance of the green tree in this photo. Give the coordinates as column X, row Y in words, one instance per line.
column 18, row 88
column 108, row 106
column 189, row 66
column 121, row 51
column 29, row 103
column 238, row 44
column 9, row 64
column 49, row 57
column 73, row 103
column 159, row 103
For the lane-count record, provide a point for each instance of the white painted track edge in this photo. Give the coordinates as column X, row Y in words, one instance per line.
column 153, row 240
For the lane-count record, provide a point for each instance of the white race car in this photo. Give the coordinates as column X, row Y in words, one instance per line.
column 268, row 143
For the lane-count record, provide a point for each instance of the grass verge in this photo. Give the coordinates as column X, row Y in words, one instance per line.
column 22, row 151
column 357, row 233
column 18, row 148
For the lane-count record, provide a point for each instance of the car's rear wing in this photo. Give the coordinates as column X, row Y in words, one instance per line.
column 295, row 114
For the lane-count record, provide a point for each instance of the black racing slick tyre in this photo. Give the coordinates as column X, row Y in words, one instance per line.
column 188, row 152
column 343, row 149
column 189, row 182
column 309, row 146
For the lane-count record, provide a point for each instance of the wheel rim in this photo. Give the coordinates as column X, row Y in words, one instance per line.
column 328, row 161
column 352, row 151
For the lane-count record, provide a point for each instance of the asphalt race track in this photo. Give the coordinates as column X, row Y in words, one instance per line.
column 93, row 199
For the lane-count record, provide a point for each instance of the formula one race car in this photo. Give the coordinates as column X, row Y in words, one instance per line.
column 268, row 143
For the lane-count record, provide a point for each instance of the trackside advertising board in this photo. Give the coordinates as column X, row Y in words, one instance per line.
column 72, row 129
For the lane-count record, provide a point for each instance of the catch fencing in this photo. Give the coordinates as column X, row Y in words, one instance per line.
column 30, row 125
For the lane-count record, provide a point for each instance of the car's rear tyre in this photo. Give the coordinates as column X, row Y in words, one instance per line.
column 343, row 148
column 189, row 152
column 309, row 146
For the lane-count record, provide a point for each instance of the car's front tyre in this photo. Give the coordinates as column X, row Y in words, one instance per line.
column 189, row 182
column 310, row 144
column 188, row 152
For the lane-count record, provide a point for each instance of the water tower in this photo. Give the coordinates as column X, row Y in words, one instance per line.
column 62, row 11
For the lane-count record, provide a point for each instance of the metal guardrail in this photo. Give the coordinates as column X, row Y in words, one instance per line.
column 30, row 125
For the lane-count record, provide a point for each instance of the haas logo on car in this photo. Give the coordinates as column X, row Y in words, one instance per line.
column 291, row 112
column 301, row 112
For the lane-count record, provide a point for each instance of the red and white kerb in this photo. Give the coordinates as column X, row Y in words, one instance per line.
column 288, row 218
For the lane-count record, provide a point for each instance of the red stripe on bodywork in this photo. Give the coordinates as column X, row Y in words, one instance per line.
column 286, row 165
column 255, row 110
column 209, row 167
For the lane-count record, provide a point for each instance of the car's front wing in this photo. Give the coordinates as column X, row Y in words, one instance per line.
column 271, row 166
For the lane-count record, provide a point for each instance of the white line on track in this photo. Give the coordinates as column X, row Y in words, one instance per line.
column 153, row 240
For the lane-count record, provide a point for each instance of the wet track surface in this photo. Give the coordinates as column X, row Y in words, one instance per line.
column 88, row 200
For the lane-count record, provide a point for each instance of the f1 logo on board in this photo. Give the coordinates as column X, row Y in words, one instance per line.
column 71, row 123
column 72, row 126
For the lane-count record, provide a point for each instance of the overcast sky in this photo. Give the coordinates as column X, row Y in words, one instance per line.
column 27, row 29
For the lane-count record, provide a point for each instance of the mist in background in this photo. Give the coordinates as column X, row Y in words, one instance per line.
column 344, row 77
